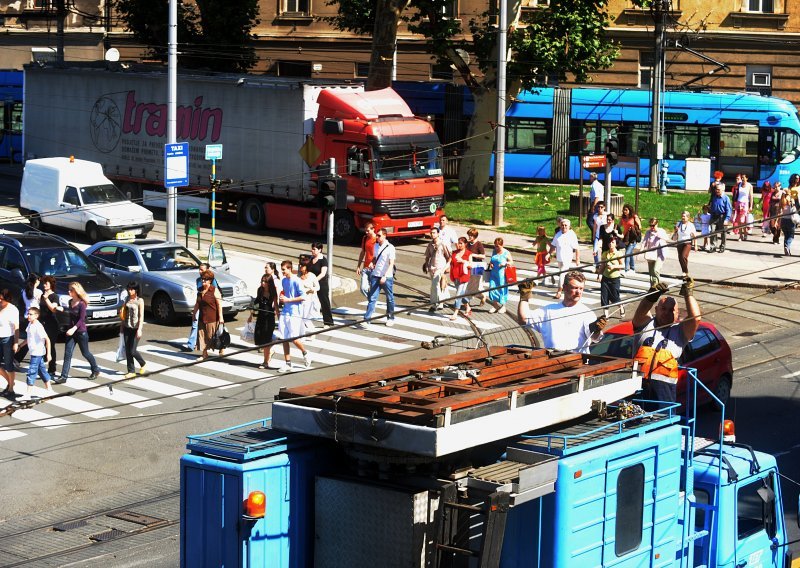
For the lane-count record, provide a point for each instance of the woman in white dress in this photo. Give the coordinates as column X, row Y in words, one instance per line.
column 311, row 306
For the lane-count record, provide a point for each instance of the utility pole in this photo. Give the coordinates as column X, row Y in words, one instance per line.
column 172, row 96
column 659, row 9
column 61, row 15
column 500, row 132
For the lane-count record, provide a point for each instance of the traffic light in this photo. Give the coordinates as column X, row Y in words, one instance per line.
column 333, row 194
column 612, row 151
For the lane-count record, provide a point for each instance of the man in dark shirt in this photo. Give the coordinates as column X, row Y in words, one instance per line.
column 721, row 212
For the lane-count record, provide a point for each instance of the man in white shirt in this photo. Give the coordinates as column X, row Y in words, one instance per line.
column 381, row 277
column 447, row 234
column 596, row 194
column 567, row 326
column 567, row 250
column 9, row 342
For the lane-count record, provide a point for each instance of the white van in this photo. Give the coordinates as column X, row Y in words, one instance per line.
column 75, row 194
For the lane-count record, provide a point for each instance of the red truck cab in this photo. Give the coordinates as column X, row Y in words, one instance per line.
column 390, row 158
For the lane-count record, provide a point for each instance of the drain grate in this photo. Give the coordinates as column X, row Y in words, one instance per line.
column 136, row 518
column 69, row 525
column 105, row 536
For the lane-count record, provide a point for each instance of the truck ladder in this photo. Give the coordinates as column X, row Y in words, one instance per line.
column 456, row 528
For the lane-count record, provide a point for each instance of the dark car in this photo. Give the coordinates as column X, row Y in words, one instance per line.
column 46, row 254
column 708, row 352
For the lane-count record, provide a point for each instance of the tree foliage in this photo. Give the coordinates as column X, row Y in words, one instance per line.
column 212, row 34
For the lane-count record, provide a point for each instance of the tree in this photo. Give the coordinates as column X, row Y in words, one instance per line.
column 566, row 37
column 213, row 34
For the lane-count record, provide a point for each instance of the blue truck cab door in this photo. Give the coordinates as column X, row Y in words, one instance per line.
column 759, row 523
column 631, row 506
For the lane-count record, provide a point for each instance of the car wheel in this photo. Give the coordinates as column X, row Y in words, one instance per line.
column 723, row 391
column 35, row 221
column 93, row 233
column 163, row 312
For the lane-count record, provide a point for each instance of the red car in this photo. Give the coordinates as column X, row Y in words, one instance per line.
column 708, row 352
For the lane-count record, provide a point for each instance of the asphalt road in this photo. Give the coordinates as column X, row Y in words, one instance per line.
column 104, row 452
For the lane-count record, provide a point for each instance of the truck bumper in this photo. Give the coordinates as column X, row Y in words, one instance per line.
column 109, row 233
column 414, row 227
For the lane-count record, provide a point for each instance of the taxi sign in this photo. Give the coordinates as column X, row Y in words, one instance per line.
column 176, row 164
column 213, row 151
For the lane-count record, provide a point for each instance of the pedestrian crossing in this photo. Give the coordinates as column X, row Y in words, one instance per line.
column 165, row 385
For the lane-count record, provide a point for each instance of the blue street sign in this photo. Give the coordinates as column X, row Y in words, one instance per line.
column 176, row 164
column 213, row 151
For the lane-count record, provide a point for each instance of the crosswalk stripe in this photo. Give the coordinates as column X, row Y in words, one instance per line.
column 119, row 395
column 39, row 418
column 75, row 405
column 221, row 366
column 320, row 341
column 8, row 434
column 181, row 374
column 373, row 341
column 460, row 321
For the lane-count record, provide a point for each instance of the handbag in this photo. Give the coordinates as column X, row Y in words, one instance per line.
column 248, row 332
column 121, row 356
column 223, row 337
column 478, row 270
column 511, row 274
column 123, row 313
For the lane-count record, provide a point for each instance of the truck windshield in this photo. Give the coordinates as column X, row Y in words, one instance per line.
column 406, row 161
column 94, row 194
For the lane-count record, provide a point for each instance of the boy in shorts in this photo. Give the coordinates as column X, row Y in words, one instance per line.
column 291, row 320
column 39, row 349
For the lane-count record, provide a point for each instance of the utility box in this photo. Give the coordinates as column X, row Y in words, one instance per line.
column 698, row 174
column 192, row 225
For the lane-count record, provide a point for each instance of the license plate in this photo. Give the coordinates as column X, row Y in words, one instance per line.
column 99, row 314
column 413, row 224
column 123, row 235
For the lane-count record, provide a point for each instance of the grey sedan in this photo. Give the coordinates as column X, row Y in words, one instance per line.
column 167, row 273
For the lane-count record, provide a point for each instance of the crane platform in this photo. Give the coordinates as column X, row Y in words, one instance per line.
column 443, row 405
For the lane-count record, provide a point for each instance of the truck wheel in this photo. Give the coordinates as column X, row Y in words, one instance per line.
column 163, row 312
column 344, row 227
column 252, row 214
column 35, row 221
column 93, row 233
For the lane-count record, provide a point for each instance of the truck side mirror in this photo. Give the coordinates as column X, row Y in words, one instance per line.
column 332, row 126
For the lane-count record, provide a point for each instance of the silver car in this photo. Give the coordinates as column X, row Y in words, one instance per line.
column 167, row 273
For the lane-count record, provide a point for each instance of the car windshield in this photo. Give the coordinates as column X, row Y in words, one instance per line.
column 108, row 193
column 614, row 345
column 169, row 258
column 59, row 262
column 406, row 161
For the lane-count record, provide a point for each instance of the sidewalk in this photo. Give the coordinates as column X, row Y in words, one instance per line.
column 755, row 263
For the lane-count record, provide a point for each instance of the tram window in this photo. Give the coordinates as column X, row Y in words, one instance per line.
column 637, row 140
column 528, row 136
column 583, row 137
column 687, row 141
column 16, row 118
column 788, row 145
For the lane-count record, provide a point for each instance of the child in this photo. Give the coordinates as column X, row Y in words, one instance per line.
column 39, row 348
column 704, row 219
column 542, row 245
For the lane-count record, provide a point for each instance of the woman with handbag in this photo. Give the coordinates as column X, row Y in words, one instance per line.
column 209, row 305
column 631, row 226
column 478, row 251
column 313, row 291
column 460, row 263
column 655, row 239
column 48, row 307
column 498, row 291
column 132, row 317
column 266, row 309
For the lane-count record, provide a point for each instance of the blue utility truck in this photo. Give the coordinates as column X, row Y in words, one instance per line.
column 503, row 457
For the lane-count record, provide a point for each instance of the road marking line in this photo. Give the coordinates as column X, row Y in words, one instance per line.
column 118, row 395
column 181, row 374
column 7, row 434
column 39, row 418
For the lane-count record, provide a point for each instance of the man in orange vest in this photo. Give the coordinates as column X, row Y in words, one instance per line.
column 661, row 337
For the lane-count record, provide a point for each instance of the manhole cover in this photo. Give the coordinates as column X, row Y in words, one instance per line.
column 69, row 525
column 107, row 535
column 136, row 518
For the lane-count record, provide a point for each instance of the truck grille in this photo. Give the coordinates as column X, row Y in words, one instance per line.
column 101, row 300
column 411, row 207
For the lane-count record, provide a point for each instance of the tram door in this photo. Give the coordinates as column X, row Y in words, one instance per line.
column 738, row 150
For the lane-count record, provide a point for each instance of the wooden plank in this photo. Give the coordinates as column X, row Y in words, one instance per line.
column 390, row 373
column 465, row 400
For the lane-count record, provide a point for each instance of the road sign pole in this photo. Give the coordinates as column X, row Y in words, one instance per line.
column 213, row 200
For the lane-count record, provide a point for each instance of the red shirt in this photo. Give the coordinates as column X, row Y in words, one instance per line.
column 458, row 270
column 368, row 246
